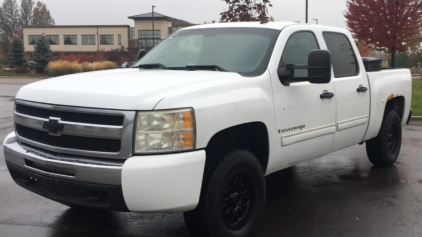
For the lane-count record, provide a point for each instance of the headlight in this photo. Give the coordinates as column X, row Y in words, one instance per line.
column 164, row 131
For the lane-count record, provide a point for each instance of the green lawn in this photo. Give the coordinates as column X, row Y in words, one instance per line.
column 417, row 98
column 11, row 74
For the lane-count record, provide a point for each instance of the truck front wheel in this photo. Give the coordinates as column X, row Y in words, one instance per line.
column 234, row 199
column 384, row 149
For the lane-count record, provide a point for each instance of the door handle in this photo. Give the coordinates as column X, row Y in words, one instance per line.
column 326, row 95
column 361, row 89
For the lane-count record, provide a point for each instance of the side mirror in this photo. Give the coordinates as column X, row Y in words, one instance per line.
column 141, row 53
column 319, row 69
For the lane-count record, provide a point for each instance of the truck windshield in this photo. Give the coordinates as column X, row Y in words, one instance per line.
column 243, row 50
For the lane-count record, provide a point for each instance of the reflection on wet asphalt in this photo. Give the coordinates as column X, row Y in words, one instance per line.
column 340, row 194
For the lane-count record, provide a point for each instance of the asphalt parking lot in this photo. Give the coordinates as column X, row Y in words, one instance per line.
column 340, row 194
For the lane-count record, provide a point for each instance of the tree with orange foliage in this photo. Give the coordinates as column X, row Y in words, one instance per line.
column 245, row 10
column 386, row 25
column 364, row 49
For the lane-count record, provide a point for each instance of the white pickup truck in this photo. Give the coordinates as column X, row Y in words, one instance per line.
column 200, row 120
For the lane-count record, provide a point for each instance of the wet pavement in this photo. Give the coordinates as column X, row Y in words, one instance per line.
column 340, row 194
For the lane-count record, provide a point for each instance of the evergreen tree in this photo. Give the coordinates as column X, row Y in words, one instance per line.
column 42, row 54
column 17, row 51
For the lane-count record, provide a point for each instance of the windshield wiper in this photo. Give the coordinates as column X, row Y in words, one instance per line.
column 207, row 67
column 151, row 66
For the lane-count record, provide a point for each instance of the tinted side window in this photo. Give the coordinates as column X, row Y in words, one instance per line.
column 297, row 50
column 342, row 55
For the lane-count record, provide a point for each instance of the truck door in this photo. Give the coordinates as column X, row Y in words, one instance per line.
column 352, row 90
column 305, row 122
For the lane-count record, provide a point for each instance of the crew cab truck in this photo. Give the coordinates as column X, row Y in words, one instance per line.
column 200, row 120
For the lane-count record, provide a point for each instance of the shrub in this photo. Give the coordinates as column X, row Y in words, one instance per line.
column 71, row 58
column 59, row 68
column 32, row 73
column 20, row 70
column 87, row 67
column 102, row 55
column 123, row 59
column 87, row 58
column 58, row 56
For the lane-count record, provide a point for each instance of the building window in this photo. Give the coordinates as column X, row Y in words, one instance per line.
column 132, row 33
column 33, row 39
column 107, row 39
column 70, row 40
column 173, row 29
column 146, row 38
column 120, row 39
column 88, row 39
column 53, row 39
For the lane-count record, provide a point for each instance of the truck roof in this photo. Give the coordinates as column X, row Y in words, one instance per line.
column 270, row 25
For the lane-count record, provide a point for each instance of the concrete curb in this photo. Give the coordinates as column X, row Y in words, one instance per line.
column 416, row 120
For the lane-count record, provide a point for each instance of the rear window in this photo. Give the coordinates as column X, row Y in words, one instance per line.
column 343, row 57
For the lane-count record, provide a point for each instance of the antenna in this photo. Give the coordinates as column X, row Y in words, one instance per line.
column 264, row 20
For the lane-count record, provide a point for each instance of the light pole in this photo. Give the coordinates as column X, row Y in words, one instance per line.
column 306, row 11
column 316, row 21
column 153, row 32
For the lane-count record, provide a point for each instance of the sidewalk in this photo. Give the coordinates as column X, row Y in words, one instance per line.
column 20, row 80
column 416, row 120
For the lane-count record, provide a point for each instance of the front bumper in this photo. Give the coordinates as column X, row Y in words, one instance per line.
column 153, row 183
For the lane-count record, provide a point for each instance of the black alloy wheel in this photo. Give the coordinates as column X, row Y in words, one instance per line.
column 237, row 201
column 384, row 149
column 232, row 198
column 392, row 138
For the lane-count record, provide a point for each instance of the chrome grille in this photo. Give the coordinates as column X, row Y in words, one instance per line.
column 69, row 141
column 116, row 120
column 82, row 131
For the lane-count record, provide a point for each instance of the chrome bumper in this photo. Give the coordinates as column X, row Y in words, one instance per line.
column 69, row 167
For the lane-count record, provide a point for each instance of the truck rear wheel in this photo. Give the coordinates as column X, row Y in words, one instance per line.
column 384, row 149
column 234, row 199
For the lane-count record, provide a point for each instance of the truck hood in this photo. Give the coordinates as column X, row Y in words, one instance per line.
column 123, row 89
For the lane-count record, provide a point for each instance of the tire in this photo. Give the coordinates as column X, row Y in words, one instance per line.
column 384, row 149
column 232, row 203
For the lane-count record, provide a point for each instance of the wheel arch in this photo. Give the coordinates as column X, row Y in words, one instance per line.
column 251, row 136
column 396, row 103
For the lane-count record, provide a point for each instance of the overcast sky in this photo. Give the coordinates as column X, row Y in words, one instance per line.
column 97, row 12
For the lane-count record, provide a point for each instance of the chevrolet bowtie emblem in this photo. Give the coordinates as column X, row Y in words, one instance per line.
column 54, row 127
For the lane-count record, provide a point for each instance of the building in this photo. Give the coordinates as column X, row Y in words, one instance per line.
column 88, row 39
column 142, row 35
column 78, row 38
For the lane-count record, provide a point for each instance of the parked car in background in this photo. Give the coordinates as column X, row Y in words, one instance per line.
column 127, row 64
column 31, row 64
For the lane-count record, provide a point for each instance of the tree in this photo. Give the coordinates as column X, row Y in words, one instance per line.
column 42, row 54
column 41, row 15
column 364, row 49
column 10, row 22
column 1, row 55
column 245, row 10
column 27, row 12
column 17, row 53
column 386, row 25
column 402, row 60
